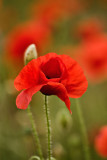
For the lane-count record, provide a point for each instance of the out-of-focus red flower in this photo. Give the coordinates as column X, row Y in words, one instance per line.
column 101, row 142
column 93, row 58
column 23, row 35
column 51, row 11
column 89, row 29
column 92, row 52
column 51, row 74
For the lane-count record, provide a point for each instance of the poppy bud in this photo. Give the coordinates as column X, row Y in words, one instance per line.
column 30, row 53
column 64, row 121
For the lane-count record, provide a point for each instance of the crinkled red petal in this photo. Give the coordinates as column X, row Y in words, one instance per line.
column 24, row 98
column 75, row 82
column 29, row 76
column 58, row 89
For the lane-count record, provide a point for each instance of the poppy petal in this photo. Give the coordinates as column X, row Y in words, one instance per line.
column 47, row 63
column 24, row 98
column 58, row 89
column 75, row 82
column 29, row 76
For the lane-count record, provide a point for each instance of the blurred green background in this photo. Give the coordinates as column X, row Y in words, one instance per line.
column 16, row 141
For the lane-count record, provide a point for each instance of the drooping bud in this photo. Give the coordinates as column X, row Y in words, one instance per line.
column 64, row 121
column 30, row 53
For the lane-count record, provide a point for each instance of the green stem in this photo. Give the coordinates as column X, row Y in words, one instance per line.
column 34, row 157
column 83, row 132
column 35, row 134
column 48, row 128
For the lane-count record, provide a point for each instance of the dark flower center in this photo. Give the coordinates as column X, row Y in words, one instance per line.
column 97, row 64
column 52, row 68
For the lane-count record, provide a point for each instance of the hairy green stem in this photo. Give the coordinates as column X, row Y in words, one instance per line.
column 35, row 134
column 83, row 132
column 48, row 127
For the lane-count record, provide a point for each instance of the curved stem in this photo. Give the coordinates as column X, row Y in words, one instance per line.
column 35, row 134
column 34, row 157
column 48, row 128
column 83, row 132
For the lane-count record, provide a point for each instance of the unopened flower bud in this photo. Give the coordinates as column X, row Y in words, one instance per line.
column 64, row 121
column 30, row 53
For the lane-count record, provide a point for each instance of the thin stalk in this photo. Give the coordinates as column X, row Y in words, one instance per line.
column 83, row 131
column 35, row 134
column 48, row 127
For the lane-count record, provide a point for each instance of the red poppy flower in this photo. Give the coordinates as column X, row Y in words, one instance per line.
column 49, row 11
column 101, row 142
column 93, row 57
column 52, row 11
column 89, row 29
column 92, row 52
column 51, row 74
column 25, row 34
